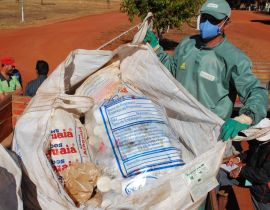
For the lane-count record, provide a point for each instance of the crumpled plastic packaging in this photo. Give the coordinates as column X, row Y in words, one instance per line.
column 80, row 181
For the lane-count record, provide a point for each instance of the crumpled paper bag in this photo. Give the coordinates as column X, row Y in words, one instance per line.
column 80, row 181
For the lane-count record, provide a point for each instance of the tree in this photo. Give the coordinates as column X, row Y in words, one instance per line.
column 167, row 13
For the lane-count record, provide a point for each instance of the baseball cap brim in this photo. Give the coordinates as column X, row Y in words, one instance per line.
column 8, row 61
column 218, row 16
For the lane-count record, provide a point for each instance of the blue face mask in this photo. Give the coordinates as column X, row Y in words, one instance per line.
column 208, row 30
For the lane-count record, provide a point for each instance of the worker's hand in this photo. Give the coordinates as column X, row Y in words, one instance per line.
column 231, row 128
column 235, row 173
column 151, row 38
column 232, row 161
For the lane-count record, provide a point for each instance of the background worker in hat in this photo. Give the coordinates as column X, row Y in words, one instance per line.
column 214, row 71
column 8, row 84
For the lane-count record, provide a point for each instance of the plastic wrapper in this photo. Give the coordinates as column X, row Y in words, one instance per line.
column 69, row 157
column 129, row 135
column 67, row 142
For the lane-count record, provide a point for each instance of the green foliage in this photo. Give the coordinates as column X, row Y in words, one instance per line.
column 166, row 13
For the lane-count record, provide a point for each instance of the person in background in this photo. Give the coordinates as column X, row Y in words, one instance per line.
column 256, row 171
column 15, row 72
column 214, row 71
column 8, row 84
column 42, row 69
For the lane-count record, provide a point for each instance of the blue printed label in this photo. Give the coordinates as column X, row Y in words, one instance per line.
column 139, row 135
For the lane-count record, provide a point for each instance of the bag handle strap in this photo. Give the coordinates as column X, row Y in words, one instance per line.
column 147, row 23
column 80, row 103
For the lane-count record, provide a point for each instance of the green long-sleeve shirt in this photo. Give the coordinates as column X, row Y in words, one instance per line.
column 215, row 75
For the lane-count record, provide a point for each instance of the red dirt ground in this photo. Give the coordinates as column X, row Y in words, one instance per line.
column 53, row 42
column 249, row 31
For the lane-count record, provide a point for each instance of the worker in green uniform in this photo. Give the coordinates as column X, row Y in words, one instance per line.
column 214, row 71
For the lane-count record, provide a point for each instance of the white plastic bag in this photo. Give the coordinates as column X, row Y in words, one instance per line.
column 197, row 127
column 129, row 133
column 67, row 141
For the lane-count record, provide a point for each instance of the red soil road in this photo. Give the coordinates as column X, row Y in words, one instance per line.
column 250, row 31
column 53, row 42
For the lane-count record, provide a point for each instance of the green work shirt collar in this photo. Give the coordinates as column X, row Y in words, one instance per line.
column 203, row 46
